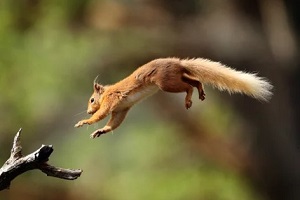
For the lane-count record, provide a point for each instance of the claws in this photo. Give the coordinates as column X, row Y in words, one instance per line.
column 80, row 123
column 202, row 96
column 97, row 133
column 188, row 104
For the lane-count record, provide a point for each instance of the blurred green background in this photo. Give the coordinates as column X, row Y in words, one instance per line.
column 224, row 148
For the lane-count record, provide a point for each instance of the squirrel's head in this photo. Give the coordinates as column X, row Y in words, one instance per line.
column 94, row 101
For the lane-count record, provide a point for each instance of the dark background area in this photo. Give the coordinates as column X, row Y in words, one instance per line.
column 226, row 147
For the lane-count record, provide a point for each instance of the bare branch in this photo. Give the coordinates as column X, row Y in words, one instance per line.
column 17, row 164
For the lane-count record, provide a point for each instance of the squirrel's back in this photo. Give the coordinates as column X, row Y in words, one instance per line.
column 167, row 74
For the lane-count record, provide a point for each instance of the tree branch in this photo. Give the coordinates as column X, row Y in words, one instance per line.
column 17, row 164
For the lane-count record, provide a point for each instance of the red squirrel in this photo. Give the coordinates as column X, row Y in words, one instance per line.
column 170, row 75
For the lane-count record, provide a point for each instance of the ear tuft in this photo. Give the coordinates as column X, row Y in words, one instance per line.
column 98, row 88
column 95, row 80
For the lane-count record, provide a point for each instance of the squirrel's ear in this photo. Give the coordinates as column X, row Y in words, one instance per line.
column 98, row 88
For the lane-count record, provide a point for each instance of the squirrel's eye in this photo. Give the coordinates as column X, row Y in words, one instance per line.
column 92, row 100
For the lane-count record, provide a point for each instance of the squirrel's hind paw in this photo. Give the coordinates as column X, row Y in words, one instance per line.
column 188, row 104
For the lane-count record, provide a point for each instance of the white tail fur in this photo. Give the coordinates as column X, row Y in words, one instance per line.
column 225, row 78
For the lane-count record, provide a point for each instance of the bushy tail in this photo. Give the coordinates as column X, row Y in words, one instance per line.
column 225, row 78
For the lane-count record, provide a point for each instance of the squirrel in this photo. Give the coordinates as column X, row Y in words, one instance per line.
column 170, row 75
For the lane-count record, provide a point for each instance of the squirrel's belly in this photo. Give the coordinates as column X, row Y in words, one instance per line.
column 139, row 95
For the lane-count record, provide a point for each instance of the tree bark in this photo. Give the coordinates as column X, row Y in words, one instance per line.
column 18, row 164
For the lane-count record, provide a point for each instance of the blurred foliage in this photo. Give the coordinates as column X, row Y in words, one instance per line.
column 50, row 51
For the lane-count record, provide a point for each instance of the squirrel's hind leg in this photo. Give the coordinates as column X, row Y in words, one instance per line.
column 201, row 91
column 195, row 83
column 188, row 97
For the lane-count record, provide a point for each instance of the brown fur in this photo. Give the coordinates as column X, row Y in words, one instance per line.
column 170, row 75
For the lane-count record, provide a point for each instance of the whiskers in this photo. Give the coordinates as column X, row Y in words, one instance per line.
column 80, row 113
column 95, row 126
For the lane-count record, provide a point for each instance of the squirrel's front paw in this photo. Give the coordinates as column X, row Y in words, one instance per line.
column 80, row 123
column 101, row 131
column 97, row 133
